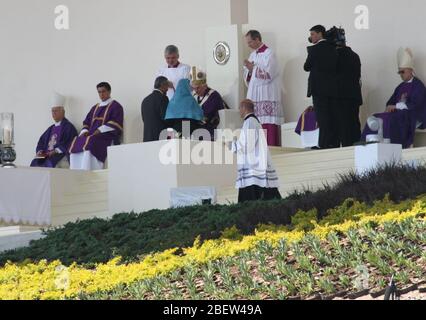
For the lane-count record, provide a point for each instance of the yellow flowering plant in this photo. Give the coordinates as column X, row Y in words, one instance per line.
column 53, row 281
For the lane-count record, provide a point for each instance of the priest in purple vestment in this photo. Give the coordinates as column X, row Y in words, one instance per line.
column 53, row 145
column 210, row 101
column 406, row 109
column 102, row 128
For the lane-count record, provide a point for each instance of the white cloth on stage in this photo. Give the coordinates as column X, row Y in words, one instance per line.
column 85, row 161
column 310, row 139
column 253, row 157
column 182, row 71
column 264, row 86
column 26, row 197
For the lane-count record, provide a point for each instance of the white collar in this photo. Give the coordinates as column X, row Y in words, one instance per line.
column 180, row 65
column 411, row 81
column 57, row 124
column 105, row 103
column 159, row 91
column 247, row 116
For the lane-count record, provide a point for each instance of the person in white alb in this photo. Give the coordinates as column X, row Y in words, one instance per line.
column 262, row 76
column 257, row 178
column 173, row 69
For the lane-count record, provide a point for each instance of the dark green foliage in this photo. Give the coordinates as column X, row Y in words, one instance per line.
column 341, row 267
column 131, row 235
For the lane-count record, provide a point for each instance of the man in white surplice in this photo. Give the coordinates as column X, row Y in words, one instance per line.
column 257, row 178
column 262, row 76
column 173, row 70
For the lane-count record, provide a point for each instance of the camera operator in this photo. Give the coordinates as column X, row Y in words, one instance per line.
column 349, row 89
column 322, row 64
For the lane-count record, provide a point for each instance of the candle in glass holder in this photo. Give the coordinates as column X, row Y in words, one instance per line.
column 7, row 136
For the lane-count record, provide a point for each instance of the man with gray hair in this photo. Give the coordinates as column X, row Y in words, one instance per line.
column 53, row 145
column 154, row 109
column 173, row 69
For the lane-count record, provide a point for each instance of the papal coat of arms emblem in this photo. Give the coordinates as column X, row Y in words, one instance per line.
column 221, row 53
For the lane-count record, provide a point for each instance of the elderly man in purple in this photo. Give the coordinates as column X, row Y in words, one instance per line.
column 210, row 101
column 53, row 145
column 405, row 111
column 102, row 128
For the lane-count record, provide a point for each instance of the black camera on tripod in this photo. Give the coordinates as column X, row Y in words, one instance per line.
column 336, row 36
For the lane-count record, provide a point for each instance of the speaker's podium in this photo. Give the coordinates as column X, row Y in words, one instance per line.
column 142, row 176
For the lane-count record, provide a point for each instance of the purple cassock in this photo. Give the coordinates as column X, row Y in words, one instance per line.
column 211, row 103
column 307, row 122
column 55, row 137
column 400, row 126
column 111, row 116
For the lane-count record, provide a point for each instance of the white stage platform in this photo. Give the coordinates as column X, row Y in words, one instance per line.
column 313, row 169
column 139, row 181
column 17, row 237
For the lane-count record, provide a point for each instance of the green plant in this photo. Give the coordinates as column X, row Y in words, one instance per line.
column 238, row 277
column 326, row 285
column 345, row 281
column 133, row 235
column 304, row 221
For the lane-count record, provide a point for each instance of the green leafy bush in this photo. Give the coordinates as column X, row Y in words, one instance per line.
column 131, row 235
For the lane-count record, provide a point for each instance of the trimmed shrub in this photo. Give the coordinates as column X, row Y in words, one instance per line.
column 131, row 235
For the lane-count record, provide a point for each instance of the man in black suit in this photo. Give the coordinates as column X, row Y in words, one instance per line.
column 154, row 109
column 350, row 95
column 322, row 64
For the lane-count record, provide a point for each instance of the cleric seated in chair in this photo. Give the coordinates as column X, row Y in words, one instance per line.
column 52, row 148
column 405, row 111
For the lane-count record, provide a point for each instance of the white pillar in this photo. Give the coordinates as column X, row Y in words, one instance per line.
column 371, row 156
column 239, row 12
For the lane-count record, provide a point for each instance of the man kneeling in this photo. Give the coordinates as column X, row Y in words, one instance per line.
column 53, row 145
column 405, row 111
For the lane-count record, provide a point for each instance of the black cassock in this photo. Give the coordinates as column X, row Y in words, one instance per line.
column 349, row 97
column 153, row 110
column 322, row 87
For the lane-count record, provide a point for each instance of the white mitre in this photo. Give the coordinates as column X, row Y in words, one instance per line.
column 405, row 59
column 58, row 100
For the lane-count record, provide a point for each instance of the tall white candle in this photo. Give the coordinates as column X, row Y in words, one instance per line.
column 7, row 135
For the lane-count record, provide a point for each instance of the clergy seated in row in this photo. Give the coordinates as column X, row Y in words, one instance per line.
column 53, row 145
column 154, row 109
column 257, row 178
column 405, row 111
column 173, row 69
column 210, row 101
column 102, row 128
column 183, row 112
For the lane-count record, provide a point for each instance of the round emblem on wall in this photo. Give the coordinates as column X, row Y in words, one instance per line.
column 221, row 53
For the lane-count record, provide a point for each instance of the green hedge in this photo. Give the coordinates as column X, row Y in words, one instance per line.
column 130, row 235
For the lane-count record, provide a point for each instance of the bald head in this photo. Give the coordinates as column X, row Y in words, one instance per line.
column 246, row 108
